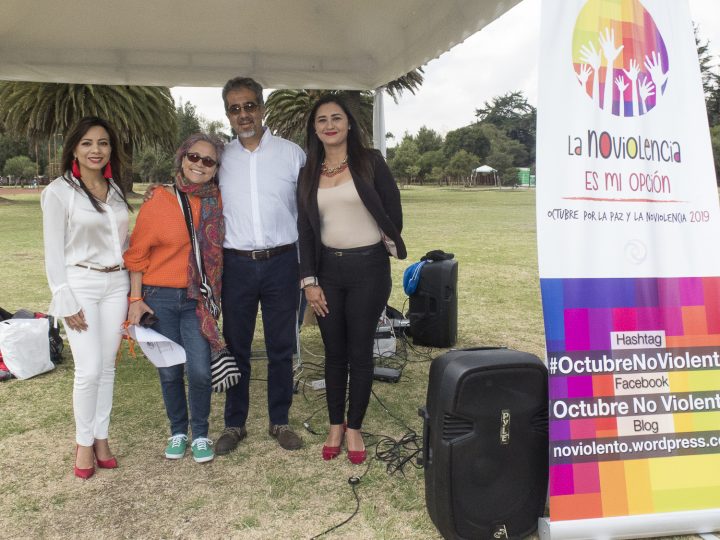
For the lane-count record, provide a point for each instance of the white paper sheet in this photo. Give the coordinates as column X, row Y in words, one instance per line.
column 161, row 351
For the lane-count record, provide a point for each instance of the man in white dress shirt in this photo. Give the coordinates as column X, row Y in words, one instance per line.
column 258, row 179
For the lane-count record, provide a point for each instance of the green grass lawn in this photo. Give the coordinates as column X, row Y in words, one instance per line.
column 258, row 491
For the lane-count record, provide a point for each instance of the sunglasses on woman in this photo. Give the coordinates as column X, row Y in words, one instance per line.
column 194, row 157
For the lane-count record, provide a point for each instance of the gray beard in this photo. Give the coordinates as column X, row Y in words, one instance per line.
column 246, row 134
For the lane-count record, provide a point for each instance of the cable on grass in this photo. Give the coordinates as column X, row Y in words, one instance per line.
column 306, row 422
column 425, row 355
column 398, row 420
column 354, row 482
column 396, row 454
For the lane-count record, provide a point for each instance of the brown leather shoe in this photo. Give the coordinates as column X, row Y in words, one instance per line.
column 229, row 439
column 286, row 437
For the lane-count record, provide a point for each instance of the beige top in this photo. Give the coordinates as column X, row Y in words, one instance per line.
column 344, row 221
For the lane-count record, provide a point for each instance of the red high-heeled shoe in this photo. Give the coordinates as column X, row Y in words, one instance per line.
column 106, row 463
column 357, row 457
column 82, row 473
column 331, row 452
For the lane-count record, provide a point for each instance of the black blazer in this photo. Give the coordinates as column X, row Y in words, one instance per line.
column 382, row 200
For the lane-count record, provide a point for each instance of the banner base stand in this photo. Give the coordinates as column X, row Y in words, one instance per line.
column 638, row 526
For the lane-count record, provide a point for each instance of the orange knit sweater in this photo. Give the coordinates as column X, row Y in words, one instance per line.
column 160, row 244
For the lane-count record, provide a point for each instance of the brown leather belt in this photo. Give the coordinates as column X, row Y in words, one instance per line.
column 261, row 254
column 103, row 269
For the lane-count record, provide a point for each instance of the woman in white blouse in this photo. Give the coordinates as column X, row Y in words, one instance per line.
column 85, row 229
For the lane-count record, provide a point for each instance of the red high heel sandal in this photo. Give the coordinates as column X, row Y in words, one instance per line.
column 82, row 473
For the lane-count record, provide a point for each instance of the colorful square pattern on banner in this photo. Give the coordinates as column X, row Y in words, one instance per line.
column 634, row 377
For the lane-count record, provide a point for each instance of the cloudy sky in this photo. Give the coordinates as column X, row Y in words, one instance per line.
column 500, row 58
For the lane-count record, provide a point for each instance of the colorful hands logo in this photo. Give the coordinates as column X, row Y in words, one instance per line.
column 619, row 56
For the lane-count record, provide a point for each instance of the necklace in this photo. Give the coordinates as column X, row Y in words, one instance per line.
column 333, row 171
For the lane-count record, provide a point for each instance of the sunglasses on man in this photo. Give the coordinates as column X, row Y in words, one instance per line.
column 194, row 157
column 249, row 107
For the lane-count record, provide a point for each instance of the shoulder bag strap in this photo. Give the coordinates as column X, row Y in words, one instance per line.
column 205, row 288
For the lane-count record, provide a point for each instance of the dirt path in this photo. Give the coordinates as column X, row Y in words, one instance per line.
column 18, row 191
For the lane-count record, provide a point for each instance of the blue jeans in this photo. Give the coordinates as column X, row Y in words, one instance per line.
column 177, row 320
column 273, row 283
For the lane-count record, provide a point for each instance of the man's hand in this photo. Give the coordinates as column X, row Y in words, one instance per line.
column 149, row 191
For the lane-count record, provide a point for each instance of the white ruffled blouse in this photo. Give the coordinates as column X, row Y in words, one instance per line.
column 75, row 233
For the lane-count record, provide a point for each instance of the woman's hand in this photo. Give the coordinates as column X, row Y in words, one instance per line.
column 76, row 322
column 316, row 300
column 136, row 310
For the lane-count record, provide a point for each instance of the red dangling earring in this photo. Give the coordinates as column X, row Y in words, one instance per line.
column 76, row 168
column 107, row 172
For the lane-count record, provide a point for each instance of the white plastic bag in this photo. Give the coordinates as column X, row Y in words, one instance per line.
column 25, row 346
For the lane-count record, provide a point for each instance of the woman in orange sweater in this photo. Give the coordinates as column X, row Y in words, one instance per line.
column 167, row 281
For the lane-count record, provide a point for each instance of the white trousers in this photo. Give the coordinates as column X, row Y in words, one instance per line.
column 103, row 297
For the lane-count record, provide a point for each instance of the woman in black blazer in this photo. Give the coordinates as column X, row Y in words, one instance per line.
column 349, row 220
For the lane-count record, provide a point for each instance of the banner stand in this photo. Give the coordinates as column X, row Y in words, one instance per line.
column 637, row 526
column 627, row 226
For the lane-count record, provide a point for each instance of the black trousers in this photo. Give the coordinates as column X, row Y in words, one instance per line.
column 272, row 283
column 356, row 283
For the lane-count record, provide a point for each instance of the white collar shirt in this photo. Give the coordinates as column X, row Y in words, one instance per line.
column 75, row 233
column 258, row 191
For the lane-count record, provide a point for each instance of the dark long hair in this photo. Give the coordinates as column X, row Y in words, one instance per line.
column 117, row 157
column 359, row 155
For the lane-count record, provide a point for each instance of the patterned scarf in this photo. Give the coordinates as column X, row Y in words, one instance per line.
column 210, row 235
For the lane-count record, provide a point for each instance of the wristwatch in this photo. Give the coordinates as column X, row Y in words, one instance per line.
column 311, row 281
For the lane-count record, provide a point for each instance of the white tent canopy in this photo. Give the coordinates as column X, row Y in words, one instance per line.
column 484, row 170
column 342, row 44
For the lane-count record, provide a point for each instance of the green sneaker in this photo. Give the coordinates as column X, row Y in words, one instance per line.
column 202, row 450
column 177, row 444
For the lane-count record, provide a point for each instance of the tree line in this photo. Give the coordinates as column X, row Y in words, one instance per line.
column 503, row 137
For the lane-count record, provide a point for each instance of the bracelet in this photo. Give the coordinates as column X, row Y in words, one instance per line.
column 132, row 299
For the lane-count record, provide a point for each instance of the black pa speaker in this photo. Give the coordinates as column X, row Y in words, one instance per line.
column 485, row 443
column 433, row 305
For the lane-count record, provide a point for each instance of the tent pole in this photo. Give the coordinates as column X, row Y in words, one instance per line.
column 379, row 121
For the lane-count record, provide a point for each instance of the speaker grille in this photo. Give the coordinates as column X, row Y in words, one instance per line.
column 455, row 427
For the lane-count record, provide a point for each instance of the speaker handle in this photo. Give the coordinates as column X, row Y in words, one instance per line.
column 426, row 459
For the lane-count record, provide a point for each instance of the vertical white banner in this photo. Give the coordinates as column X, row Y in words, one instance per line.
column 628, row 225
